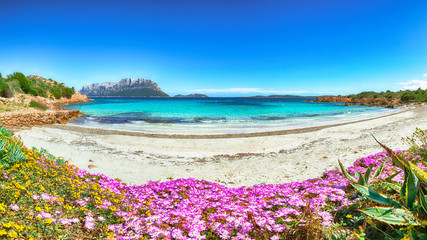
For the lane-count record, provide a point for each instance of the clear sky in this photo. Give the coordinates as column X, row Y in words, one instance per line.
column 220, row 47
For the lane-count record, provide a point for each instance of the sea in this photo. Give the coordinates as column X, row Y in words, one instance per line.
column 215, row 115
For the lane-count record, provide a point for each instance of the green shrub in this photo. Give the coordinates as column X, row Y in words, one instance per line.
column 34, row 92
column 38, row 105
column 406, row 97
column 24, row 83
column 67, row 92
column 55, row 92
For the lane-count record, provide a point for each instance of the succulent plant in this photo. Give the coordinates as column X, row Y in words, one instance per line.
column 9, row 151
column 362, row 179
column 412, row 202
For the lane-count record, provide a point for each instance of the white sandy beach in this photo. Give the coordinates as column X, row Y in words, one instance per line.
column 233, row 160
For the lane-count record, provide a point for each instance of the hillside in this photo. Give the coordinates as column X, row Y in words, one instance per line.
column 19, row 91
column 33, row 85
column 126, row 87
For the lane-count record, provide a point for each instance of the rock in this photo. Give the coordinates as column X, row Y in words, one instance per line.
column 90, row 166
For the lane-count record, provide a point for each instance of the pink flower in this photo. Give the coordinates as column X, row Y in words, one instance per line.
column 14, row 207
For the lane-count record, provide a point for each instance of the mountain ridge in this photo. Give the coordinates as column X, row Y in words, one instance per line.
column 126, row 87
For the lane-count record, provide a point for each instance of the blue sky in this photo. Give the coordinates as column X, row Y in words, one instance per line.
column 221, row 47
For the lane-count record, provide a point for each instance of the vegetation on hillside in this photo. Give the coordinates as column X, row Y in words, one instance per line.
column 43, row 196
column 34, row 85
column 418, row 95
column 38, row 105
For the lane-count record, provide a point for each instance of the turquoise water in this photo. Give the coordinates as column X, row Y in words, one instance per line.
column 214, row 115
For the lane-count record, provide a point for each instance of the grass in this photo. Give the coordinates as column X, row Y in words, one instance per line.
column 11, row 107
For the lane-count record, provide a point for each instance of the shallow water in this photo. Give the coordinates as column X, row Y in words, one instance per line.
column 215, row 115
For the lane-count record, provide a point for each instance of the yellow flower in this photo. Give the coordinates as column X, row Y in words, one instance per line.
column 3, row 232
column 348, row 216
column 113, row 208
column 8, row 225
column 48, row 220
column 12, row 234
column 38, row 209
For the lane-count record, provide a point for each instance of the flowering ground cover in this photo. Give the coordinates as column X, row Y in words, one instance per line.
column 43, row 196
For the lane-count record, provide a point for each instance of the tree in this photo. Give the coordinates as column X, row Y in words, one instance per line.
column 23, row 81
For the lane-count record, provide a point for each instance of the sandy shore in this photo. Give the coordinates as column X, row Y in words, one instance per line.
column 234, row 160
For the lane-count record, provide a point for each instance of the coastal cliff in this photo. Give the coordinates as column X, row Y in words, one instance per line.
column 126, row 87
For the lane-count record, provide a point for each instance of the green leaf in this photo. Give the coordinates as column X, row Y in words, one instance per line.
column 360, row 179
column 392, row 186
column 368, row 174
column 411, row 189
column 395, row 216
column 392, row 176
column 422, row 176
column 404, row 185
column 401, row 163
column 346, row 174
column 422, row 199
column 375, row 196
column 379, row 170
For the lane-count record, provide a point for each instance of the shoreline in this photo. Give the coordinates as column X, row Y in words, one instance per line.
column 216, row 136
column 238, row 161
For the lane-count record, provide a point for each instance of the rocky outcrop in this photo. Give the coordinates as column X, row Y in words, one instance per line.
column 27, row 118
column 124, row 88
column 51, row 103
column 370, row 102
column 194, row 95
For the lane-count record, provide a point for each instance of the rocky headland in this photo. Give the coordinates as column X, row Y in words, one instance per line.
column 32, row 116
column 370, row 102
column 126, row 87
column 33, row 100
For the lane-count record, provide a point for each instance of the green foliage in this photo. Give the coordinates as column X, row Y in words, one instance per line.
column 417, row 142
column 34, row 92
column 55, row 92
column 67, row 92
column 38, row 105
column 412, row 201
column 4, row 88
column 33, row 85
column 10, row 151
column 5, row 132
column 395, row 216
column 24, row 83
column 418, row 95
column 363, row 180
column 406, row 97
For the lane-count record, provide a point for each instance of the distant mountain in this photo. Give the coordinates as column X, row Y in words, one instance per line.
column 194, row 95
column 126, row 87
